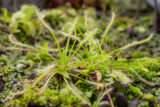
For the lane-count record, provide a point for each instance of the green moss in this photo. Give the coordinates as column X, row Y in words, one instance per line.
column 23, row 64
column 137, row 55
column 145, row 67
column 151, row 64
column 4, row 60
column 136, row 91
column 149, row 97
column 143, row 103
column 50, row 98
column 4, row 71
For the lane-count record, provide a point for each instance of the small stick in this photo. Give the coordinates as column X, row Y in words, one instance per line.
column 26, row 50
column 109, row 96
column 19, row 49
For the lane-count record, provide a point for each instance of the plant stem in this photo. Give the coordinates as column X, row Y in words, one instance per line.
column 109, row 96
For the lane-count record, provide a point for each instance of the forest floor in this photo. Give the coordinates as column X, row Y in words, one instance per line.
column 78, row 58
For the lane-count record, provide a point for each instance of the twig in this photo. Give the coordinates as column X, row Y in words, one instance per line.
column 26, row 50
column 19, row 49
column 109, row 96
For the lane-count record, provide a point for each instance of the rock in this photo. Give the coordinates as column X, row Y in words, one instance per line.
column 16, row 76
column 133, row 103
column 32, row 76
column 15, row 81
column 121, row 100
column 147, row 91
column 126, row 86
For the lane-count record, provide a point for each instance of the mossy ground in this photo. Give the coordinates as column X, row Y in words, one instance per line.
column 88, row 73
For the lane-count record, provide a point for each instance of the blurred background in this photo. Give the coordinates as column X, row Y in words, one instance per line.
column 122, row 5
column 135, row 19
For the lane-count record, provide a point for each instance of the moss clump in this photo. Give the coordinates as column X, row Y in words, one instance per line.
column 4, row 61
column 137, row 55
column 149, row 97
column 136, row 91
column 145, row 67
column 151, row 64
column 50, row 98
column 3, row 71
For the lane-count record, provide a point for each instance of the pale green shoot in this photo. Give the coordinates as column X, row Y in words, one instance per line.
column 108, row 28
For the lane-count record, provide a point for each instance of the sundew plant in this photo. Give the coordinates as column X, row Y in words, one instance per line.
column 77, row 62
